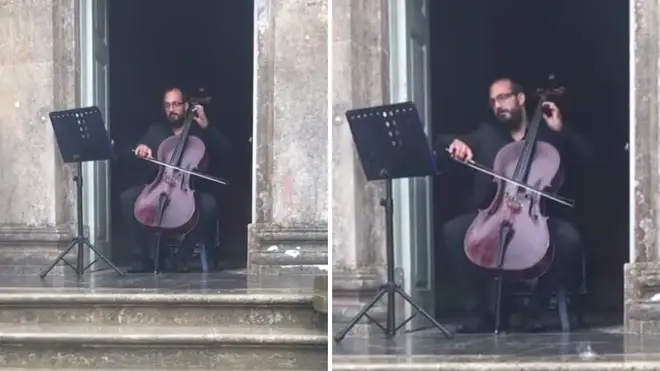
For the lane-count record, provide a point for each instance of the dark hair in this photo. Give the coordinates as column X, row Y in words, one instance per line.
column 172, row 88
column 515, row 87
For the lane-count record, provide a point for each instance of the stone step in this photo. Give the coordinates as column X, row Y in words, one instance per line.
column 137, row 369
column 141, row 308
column 123, row 369
column 162, row 347
column 410, row 365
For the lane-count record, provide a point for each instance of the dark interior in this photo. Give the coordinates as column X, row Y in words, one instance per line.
column 585, row 43
column 194, row 44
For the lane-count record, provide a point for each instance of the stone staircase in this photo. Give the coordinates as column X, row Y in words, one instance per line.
column 101, row 329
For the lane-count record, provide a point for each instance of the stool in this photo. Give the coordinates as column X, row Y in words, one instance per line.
column 566, row 302
column 174, row 243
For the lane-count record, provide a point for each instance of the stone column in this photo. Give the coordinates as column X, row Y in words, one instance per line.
column 37, row 75
column 290, row 229
column 642, row 277
column 360, row 77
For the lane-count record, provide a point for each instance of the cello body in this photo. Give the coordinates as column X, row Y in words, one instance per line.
column 511, row 236
column 529, row 252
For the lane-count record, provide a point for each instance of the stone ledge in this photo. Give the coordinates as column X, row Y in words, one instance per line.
column 500, row 366
column 641, row 283
column 148, row 298
column 643, row 310
column 32, row 258
column 84, row 335
column 357, row 279
column 277, row 311
column 287, row 246
column 35, row 235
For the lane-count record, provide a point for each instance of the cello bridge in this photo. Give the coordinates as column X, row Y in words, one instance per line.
column 170, row 180
column 513, row 203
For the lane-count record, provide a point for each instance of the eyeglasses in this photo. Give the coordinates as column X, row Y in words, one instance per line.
column 501, row 98
column 168, row 105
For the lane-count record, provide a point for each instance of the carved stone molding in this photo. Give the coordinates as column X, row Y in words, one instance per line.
column 273, row 245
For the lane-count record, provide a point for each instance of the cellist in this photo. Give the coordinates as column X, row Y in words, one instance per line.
column 175, row 106
column 507, row 102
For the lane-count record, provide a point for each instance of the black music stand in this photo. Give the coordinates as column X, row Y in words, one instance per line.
column 391, row 144
column 81, row 137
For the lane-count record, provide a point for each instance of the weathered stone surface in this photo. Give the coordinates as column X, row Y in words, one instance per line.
column 642, row 297
column 360, row 77
column 161, row 347
column 291, row 132
column 38, row 74
column 144, row 309
column 642, row 275
column 646, row 26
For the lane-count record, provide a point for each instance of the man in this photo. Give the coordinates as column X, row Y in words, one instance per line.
column 507, row 102
column 175, row 106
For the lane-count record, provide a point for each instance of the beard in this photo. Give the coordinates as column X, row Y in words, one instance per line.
column 511, row 118
column 175, row 120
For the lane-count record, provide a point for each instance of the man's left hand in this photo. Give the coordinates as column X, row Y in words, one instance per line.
column 201, row 118
column 553, row 117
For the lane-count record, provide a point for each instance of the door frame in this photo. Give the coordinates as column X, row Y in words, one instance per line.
column 88, row 85
column 400, row 91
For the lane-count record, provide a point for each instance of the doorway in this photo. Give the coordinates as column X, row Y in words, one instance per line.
column 195, row 45
column 445, row 54
column 586, row 45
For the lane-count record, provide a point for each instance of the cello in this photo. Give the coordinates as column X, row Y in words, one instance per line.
column 510, row 237
column 167, row 205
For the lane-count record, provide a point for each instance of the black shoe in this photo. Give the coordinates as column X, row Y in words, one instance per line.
column 485, row 325
column 142, row 268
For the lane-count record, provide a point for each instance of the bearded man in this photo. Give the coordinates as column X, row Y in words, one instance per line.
column 175, row 106
column 507, row 102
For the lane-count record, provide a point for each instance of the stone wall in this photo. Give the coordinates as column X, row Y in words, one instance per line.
column 360, row 77
column 38, row 74
column 642, row 277
column 290, row 229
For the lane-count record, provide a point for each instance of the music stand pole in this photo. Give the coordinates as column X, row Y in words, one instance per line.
column 370, row 145
column 66, row 134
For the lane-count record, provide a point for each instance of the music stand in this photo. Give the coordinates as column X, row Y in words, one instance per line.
column 391, row 144
column 81, row 137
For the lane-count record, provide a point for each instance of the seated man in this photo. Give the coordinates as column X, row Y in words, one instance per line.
column 216, row 143
column 507, row 102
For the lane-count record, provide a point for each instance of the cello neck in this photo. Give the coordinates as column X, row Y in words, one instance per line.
column 522, row 167
column 180, row 146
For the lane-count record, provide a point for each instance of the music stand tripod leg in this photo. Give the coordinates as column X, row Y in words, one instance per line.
column 362, row 313
column 424, row 314
column 100, row 255
column 60, row 257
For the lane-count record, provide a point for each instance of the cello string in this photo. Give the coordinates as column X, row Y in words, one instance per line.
column 474, row 165
column 208, row 177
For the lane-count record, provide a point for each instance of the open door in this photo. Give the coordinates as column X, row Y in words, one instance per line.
column 413, row 203
column 94, row 72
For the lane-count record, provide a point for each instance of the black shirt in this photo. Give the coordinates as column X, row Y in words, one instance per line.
column 575, row 151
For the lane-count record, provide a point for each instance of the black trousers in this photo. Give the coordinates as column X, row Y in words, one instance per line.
column 565, row 269
column 140, row 235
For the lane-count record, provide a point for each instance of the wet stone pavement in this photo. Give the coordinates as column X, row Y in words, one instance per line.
column 594, row 349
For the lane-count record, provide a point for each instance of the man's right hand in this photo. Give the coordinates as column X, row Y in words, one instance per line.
column 460, row 151
column 143, row 151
